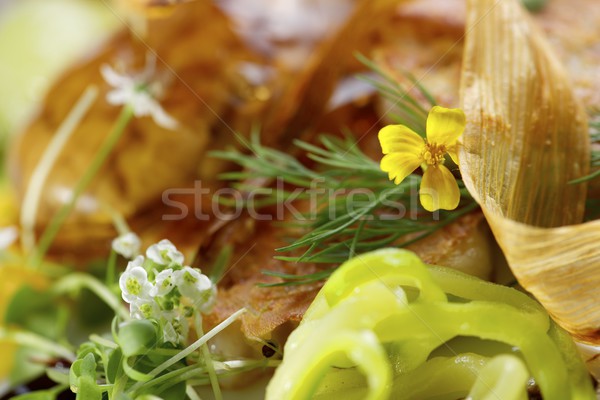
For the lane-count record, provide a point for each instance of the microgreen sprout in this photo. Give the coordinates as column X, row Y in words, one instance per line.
column 150, row 354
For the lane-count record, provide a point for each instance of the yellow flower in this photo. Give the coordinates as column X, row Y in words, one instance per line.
column 405, row 151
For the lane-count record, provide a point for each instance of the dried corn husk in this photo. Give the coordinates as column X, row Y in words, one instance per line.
column 526, row 138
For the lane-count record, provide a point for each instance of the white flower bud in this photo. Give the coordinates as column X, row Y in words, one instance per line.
column 164, row 253
column 127, row 245
column 197, row 287
column 136, row 262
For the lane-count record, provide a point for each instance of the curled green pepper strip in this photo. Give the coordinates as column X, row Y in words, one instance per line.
column 504, row 377
column 409, row 354
column 581, row 388
column 361, row 348
column 436, row 378
column 469, row 287
column 359, row 312
column 486, row 320
column 367, row 297
column 389, row 265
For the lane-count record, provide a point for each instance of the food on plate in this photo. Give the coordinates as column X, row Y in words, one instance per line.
column 386, row 316
column 206, row 201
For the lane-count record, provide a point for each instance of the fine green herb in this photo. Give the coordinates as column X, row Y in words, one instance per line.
column 134, row 361
column 405, row 108
column 352, row 206
column 356, row 207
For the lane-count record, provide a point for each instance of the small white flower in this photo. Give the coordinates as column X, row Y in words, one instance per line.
column 139, row 91
column 8, row 236
column 127, row 245
column 197, row 287
column 164, row 283
column 144, row 309
column 134, row 283
column 206, row 300
column 136, row 262
column 164, row 253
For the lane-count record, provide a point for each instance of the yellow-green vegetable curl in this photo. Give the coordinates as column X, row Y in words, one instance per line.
column 375, row 329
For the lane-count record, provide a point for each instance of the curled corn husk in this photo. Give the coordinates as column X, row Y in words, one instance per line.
column 526, row 138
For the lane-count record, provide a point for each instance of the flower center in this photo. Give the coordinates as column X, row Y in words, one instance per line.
column 133, row 286
column 146, row 310
column 188, row 278
column 433, row 154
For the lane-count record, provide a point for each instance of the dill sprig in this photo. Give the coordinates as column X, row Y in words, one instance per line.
column 352, row 205
column 406, row 109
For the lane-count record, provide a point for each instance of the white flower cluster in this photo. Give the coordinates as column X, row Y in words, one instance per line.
column 160, row 287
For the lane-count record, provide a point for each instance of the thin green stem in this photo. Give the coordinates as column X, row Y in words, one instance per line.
column 191, row 393
column 193, row 347
column 33, row 193
column 120, row 382
column 118, row 220
column 61, row 215
column 78, row 281
column 35, row 341
column 111, row 269
column 210, row 368
column 103, row 342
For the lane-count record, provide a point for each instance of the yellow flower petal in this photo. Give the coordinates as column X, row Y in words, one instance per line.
column 439, row 189
column 399, row 165
column 445, row 125
column 399, row 138
column 453, row 153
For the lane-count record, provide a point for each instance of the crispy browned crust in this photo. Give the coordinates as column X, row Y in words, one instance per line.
column 438, row 247
column 254, row 244
column 424, row 37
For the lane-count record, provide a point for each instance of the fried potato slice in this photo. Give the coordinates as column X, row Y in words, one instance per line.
column 148, row 159
column 273, row 311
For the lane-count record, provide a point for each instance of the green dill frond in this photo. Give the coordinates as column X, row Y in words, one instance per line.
column 406, row 109
column 295, row 280
column 356, row 207
column 353, row 207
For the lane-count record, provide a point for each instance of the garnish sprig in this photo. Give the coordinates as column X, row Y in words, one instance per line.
column 380, row 214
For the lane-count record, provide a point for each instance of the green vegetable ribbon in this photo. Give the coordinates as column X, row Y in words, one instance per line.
column 375, row 329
